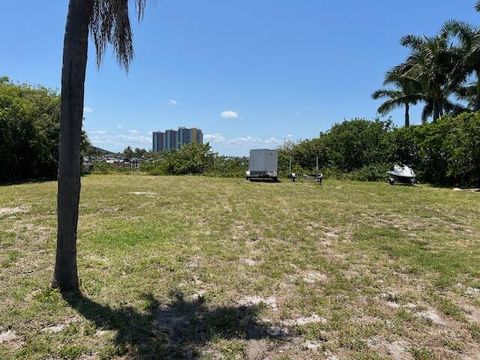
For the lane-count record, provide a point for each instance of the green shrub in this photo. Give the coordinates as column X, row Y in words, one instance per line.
column 228, row 166
column 462, row 144
column 376, row 172
column 189, row 159
column 346, row 147
column 102, row 167
column 29, row 131
column 446, row 152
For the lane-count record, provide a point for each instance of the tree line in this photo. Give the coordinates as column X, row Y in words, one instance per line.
column 442, row 72
column 29, row 131
column 444, row 152
column 190, row 159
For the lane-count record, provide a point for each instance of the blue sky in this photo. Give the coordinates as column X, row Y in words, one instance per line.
column 250, row 73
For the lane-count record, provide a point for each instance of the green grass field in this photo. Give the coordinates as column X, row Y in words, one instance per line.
column 207, row 268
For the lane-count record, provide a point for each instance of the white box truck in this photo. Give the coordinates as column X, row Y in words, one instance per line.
column 263, row 164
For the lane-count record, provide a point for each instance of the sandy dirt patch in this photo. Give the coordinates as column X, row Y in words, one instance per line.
column 431, row 316
column 7, row 336
column 398, row 350
column 7, row 211
column 143, row 193
column 301, row 321
column 313, row 277
column 473, row 292
column 257, row 300
column 53, row 329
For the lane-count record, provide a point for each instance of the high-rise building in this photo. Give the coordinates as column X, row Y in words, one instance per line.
column 170, row 139
column 158, row 141
column 184, row 137
column 175, row 139
column 199, row 136
column 193, row 135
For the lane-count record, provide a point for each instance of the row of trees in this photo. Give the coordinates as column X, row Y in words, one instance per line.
column 29, row 130
column 29, row 125
column 445, row 152
column 136, row 153
column 442, row 72
column 190, row 159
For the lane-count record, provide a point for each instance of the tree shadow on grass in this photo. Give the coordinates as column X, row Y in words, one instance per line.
column 178, row 330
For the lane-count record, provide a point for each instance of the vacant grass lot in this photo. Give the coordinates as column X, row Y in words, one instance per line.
column 194, row 267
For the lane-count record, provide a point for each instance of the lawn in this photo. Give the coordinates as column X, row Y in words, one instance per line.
column 209, row 268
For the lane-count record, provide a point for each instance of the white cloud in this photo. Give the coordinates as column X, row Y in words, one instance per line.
column 98, row 132
column 172, row 102
column 120, row 140
column 87, row 109
column 229, row 114
column 218, row 138
column 246, row 141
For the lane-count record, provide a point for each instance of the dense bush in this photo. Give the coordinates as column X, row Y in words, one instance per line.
column 101, row 167
column 189, row 159
column 354, row 144
column 194, row 159
column 29, row 127
column 446, row 152
column 346, row 147
column 29, row 130
column 228, row 166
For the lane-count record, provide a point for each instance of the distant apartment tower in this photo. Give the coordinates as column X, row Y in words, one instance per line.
column 158, row 141
column 175, row 139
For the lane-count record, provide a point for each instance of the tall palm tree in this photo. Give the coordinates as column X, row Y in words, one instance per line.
column 431, row 64
column 469, row 37
column 107, row 21
column 406, row 92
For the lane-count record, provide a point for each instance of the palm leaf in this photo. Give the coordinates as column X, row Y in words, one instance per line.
column 110, row 24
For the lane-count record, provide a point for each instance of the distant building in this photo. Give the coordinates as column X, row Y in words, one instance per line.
column 158, row 141
column 175, row 139
column 170, row 140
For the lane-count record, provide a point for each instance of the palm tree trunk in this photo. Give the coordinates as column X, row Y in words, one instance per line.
column 75, row 50
column 407, row 115
column 436, row 110
column 476, row 106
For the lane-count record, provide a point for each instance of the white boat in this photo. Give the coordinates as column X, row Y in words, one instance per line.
column 402, row 174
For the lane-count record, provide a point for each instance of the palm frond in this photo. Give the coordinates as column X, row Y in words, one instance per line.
column 383, row 93
column 463, row 30
column 413, row 42
column 427, row 111
column 453, row 108
column 110, row 25
column 389, row 106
